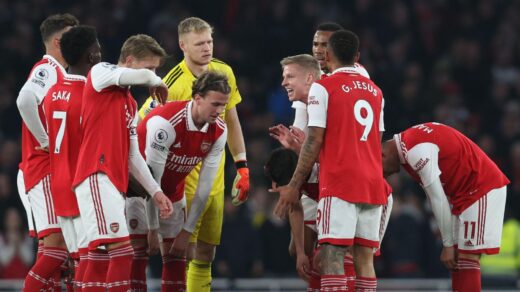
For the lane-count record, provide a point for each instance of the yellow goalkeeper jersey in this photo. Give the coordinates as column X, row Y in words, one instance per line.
column 180, row 81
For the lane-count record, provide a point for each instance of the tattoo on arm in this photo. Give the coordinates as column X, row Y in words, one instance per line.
column 308, row 155
column 331, row 259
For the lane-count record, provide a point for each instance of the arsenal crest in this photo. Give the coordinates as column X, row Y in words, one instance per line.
column 133, row 223
column 204, row 147
column 114, row 227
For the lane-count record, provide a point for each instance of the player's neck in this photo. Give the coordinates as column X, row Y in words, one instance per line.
column 196, row 119
column 56, row 55
column 78, row 70
column 196, row 69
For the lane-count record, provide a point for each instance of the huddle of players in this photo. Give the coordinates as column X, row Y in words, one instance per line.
column 331, row 172
column 84, row 152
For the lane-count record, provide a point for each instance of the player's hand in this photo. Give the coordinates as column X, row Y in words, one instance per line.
column 42, row 148
column 289, row 196
column 180, row 244
column 240, row 190
column 153, row 242
column 303, row 266
column 449, row 257
column 159, row 93
column 289, row 138
column 163, row 204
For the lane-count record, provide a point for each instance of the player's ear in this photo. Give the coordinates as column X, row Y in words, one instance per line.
column 356, row 58
column 129, row 60
column 182, row 44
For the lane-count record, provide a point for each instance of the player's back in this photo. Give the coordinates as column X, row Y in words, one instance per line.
column 62, row 110
column 188, row 149
column 107, row 115
column 467, row 173
column 351, row 161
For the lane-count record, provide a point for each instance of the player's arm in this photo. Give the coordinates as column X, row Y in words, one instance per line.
column 300, row 116
column 423, row 158
column 240, row 190
column 142, row 174
column 31, row 95
column 160, row 135
column 297, row 227
column 104, row 75
column 311, row 147
column 207, row 175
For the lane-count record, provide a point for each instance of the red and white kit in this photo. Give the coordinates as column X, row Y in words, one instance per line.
column 300, row 114
column 173, row 146
column 352, row 188
column 108, row 151
column 455, row 171
column 62, row 109
column 35, row 165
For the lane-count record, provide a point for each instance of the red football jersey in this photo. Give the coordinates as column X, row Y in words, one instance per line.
column 62, row 110
column 349, row 107
column 466, row 172
column 108, row 114
column 35, row 164
column 188, row 148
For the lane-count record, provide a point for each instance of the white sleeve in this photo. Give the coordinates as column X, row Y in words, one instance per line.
column 424, row 160
column 382, row 117
column 298, row 104
column 42, row 78
column 207, row 175
column 160, row 135
column 139, row 77
column 27, row 103
column 104, row 75
column 441, row 210
column 317, row 106
column 137, row 165
column 300, row 118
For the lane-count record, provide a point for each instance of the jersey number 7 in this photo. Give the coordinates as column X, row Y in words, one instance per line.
column 59, row 115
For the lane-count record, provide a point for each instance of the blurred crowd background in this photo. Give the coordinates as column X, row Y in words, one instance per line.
column 455, row 62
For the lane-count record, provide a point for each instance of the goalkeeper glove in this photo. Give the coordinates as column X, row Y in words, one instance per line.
column 240, row 190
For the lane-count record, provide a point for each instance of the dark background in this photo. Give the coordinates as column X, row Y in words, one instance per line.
column 455, row 62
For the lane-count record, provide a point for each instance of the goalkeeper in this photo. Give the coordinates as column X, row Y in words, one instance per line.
column 196, row 42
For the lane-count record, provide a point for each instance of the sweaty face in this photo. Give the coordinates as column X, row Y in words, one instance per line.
column 296, row 82
column 319, row 47
column 197, row 47
column 150, row 62
column 211, row 106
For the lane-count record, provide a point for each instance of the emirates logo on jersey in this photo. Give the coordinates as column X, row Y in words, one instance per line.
column 114, row 227
column 204, row 147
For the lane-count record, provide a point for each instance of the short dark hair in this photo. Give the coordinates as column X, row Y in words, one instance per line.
column 76, row 42
column 329, row 26
column 210, row 81
column 56, row 23
column 344, row 44
column 281, row 165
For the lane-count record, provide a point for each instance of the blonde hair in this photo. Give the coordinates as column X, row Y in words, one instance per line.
column 194, row 24
column 305, row 61
column 141, row 46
